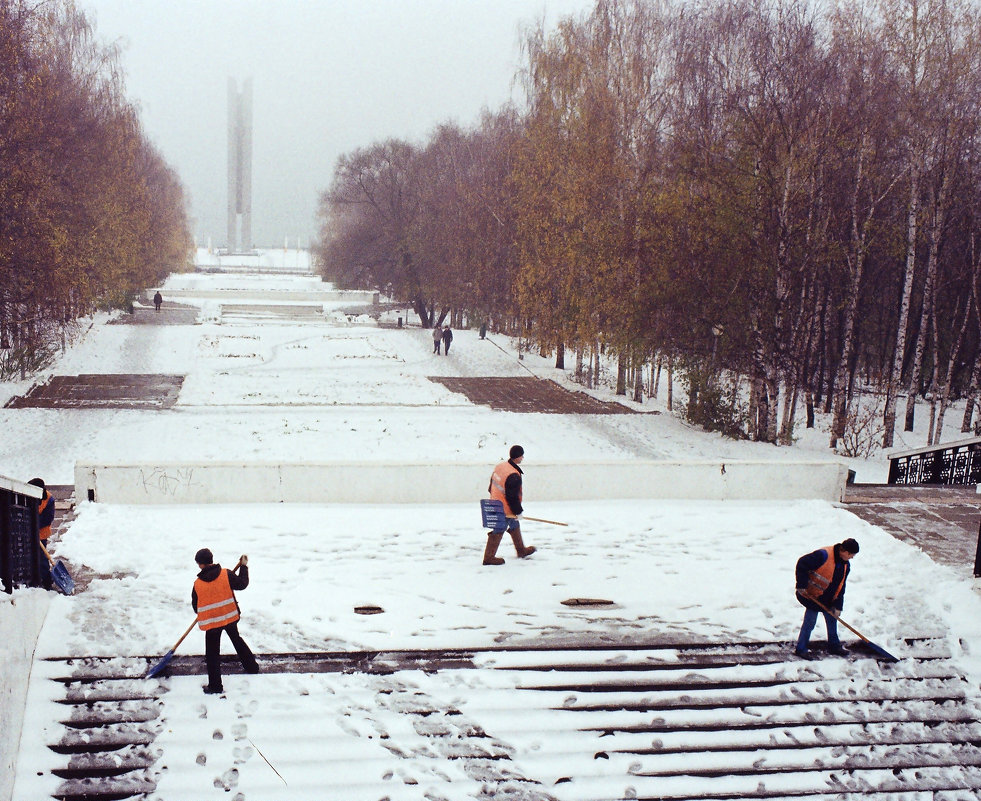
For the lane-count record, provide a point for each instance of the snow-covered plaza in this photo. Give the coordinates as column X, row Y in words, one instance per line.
column 343, row 388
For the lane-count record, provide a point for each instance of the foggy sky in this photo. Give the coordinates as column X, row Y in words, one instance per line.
column 328, row 76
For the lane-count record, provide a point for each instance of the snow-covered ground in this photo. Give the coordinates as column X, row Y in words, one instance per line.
column 340, row 390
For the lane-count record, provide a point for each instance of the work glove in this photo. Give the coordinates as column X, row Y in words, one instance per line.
column 243, row 560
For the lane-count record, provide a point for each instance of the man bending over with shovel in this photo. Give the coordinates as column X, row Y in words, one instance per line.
column 213, row 598
column 821, row 577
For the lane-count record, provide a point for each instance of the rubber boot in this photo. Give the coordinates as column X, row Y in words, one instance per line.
column 519, row 545
column 490, row 552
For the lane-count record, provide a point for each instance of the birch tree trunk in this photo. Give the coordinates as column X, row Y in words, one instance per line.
column 896, row 372
column 951, row 366
column 937, row 218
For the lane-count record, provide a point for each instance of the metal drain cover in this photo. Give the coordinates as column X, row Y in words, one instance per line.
column 587, row 602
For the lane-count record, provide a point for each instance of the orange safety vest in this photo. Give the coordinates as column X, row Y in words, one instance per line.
column 216, row 602
column 45, row 532
column 498, row 479
column 820, row 578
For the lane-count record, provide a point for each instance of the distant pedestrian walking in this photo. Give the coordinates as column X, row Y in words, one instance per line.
column 157, row 300
column 447, row 339
column 45, row 517
column 820, row 579
column 213, row 598
column 483, row 330
column 437, row 338
column 506, row 486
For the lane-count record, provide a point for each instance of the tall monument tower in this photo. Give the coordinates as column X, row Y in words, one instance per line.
column 239, row 165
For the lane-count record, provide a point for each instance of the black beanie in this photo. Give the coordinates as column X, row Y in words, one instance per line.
column 849, row 545
column 36, row 482
column 204, row 557
column 516, row 451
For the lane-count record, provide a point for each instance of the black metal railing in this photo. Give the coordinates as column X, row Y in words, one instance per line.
column 953, row 463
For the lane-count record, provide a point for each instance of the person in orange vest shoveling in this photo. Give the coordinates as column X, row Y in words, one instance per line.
column 45, row 517
column 213, row 598
column 821, row 577
column 505, row 486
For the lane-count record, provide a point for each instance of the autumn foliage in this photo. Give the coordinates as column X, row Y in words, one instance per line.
column 779, row 198
column 89, row 211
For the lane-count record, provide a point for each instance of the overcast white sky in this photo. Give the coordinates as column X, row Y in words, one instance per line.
column 328, row 76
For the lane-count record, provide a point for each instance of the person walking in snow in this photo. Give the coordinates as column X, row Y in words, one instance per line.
column 506, row 486
column 820, row 579
column 157, row 300
column 45, row 517
column 447, row 339
column 213, row 598
column 437, row 338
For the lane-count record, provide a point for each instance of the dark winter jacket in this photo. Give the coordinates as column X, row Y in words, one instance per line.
column 447, row 336
column 46, row 515
column 238, row 580
column 812, row 561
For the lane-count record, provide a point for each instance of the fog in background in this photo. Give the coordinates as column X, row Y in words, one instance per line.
column 327, row 77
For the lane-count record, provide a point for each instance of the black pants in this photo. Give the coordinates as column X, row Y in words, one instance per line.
column 212, row 653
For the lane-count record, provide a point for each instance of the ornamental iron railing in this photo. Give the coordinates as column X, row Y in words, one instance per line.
column 953, row 463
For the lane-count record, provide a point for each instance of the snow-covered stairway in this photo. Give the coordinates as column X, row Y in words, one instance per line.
column 738, row 723
column 111, row 719
column 253, row 313
column 678, row 722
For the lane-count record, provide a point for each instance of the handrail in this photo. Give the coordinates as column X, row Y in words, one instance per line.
column 948, row 463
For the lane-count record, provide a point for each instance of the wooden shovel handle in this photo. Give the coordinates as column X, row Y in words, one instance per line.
column 542, row 520
column 193, row 622
column 853, row 630
column 45, row 551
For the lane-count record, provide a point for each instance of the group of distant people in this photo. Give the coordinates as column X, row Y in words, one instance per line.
column 442, row 336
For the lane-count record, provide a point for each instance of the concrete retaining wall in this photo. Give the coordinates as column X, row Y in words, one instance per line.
column 386, row 482
column 267, row 295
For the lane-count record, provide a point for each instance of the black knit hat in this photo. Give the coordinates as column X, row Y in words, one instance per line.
column 204, row 557
column 516, row 451
column 849, row 545
column 36, row 482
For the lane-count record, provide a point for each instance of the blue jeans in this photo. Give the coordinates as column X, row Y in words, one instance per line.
column 810, row 618
column 511, row 524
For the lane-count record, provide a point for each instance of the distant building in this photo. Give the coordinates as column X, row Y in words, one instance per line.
column 239, row 166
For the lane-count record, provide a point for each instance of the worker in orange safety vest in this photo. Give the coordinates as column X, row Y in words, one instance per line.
column 820, row 579
column 45, row 517
column 506, row 487
column 213, row 598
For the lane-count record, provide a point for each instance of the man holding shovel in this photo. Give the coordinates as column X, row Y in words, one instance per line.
column 45, row 517
column 213, row 598
column 505, row 486
column 821, row 577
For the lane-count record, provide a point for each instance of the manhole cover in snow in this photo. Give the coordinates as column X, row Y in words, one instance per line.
column 587, row 602
column 368, row 610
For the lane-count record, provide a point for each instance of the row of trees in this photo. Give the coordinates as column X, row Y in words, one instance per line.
column 89, row 211
column 769, row 194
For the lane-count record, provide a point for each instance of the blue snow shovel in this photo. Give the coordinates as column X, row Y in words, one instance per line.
column 877, row 649
column 492, row 515
column 59, row 574
column 153, row 671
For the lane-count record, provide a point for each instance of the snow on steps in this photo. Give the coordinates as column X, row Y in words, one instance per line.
column 669, row 722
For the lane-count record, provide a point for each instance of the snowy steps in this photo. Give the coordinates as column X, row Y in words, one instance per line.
column 648, row 722
column 249, row 314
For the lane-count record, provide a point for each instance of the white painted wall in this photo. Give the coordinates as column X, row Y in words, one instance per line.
column 387, row 482
column 21, row 618
column 267, row 295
